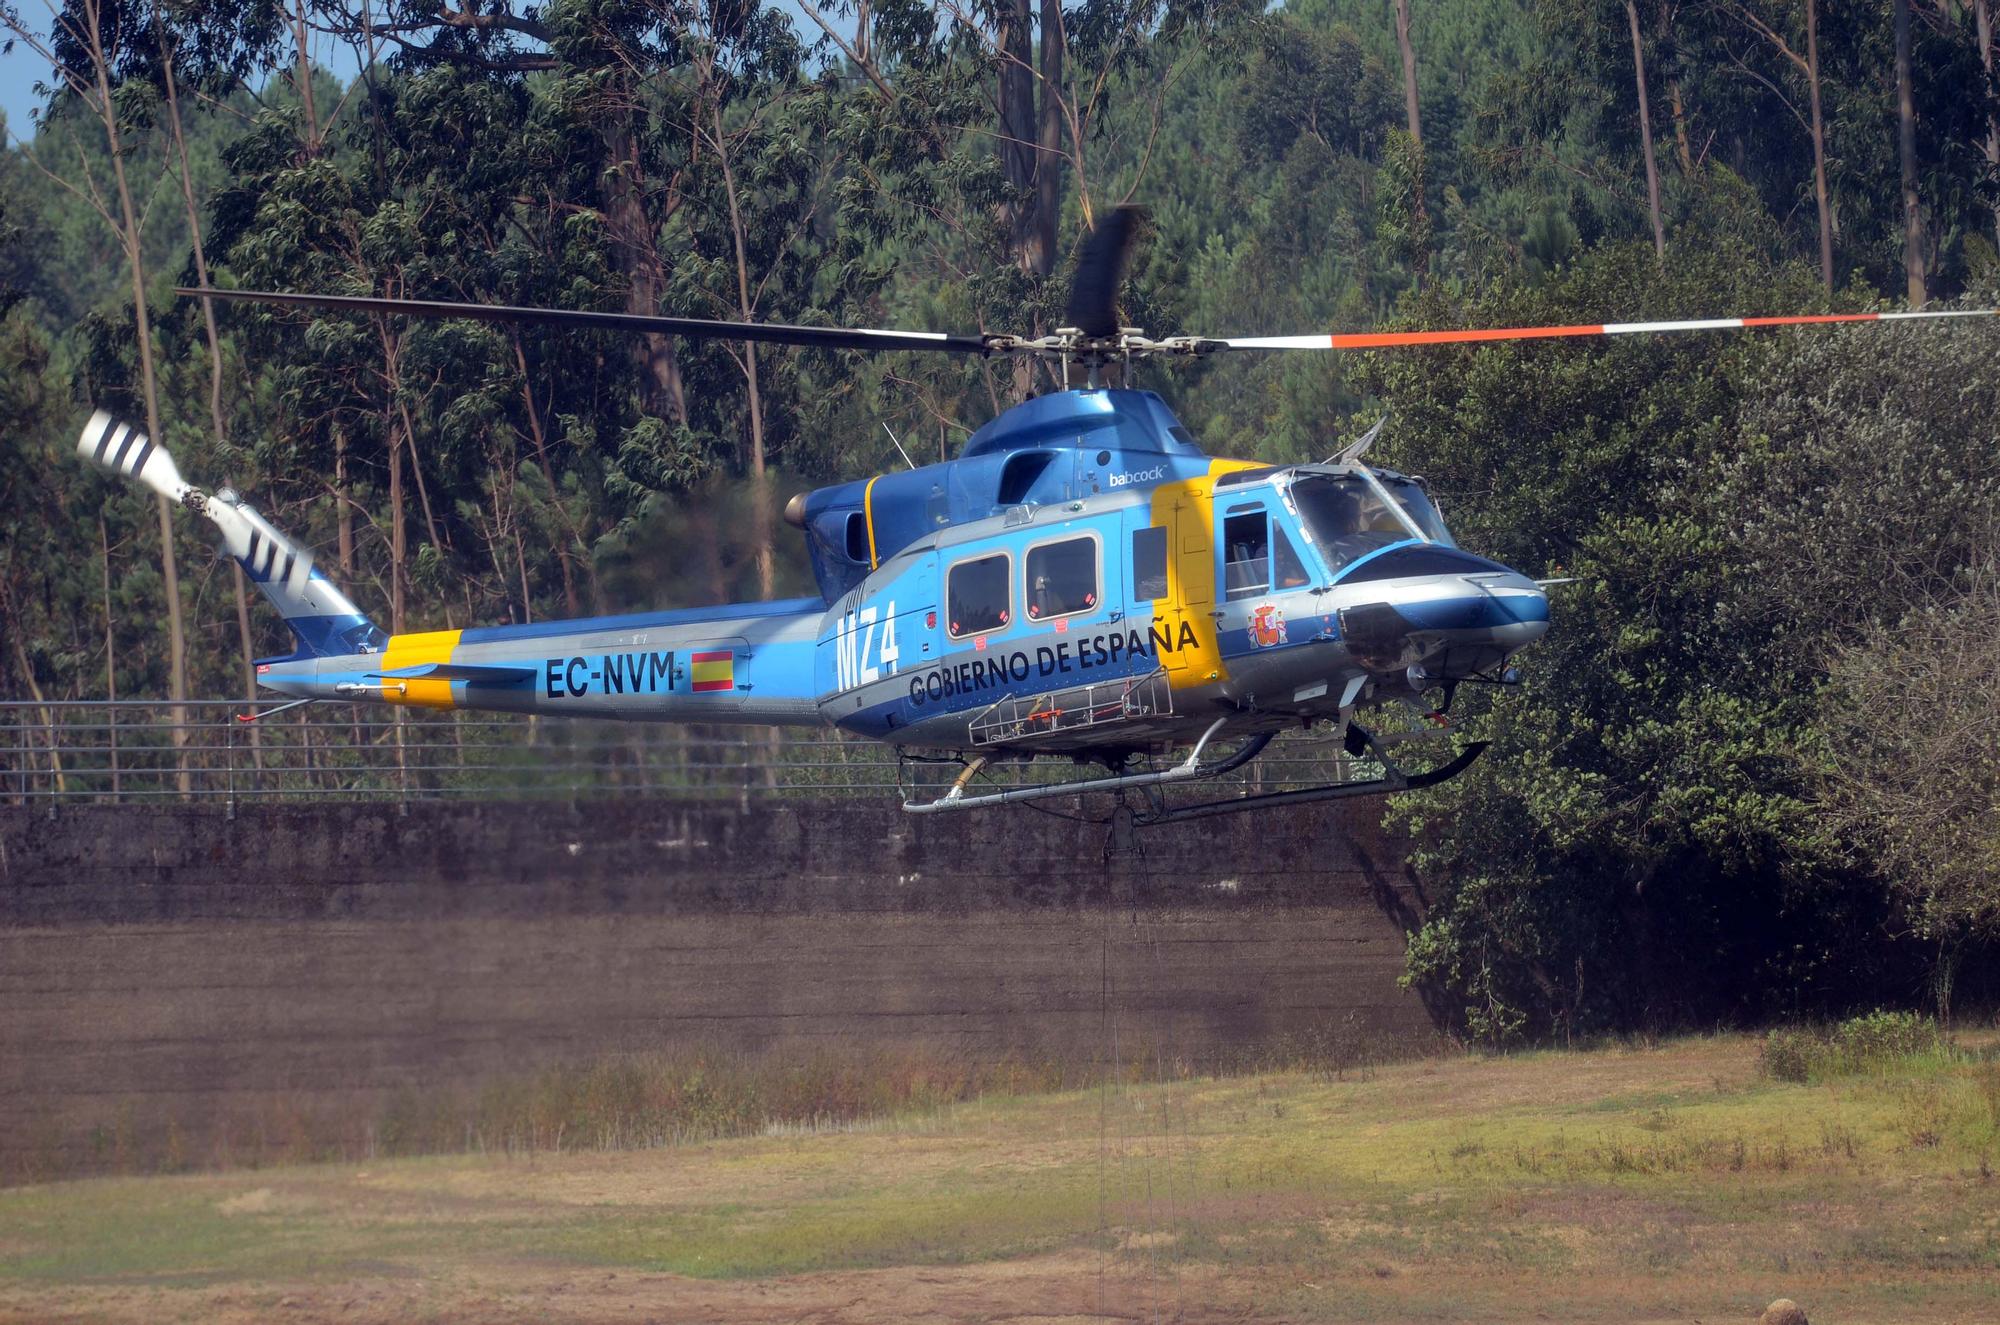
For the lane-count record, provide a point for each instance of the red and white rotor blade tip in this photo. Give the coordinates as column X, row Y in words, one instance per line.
column 1384, row 340
column 122, row 449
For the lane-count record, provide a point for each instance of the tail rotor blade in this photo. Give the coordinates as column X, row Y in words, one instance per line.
column 121, row 449
column 1093, row 293
column 269, row 556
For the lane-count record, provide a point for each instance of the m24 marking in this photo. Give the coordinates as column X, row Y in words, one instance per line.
column 644, row 673
column 856, row 660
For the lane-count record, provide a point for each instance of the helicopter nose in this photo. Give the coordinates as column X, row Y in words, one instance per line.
column 1448, row 625
column 1504, row 606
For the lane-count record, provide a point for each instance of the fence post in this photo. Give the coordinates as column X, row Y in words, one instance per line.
column 55, row 765
column 402, row 771
column 229, row 757
column 111, row 722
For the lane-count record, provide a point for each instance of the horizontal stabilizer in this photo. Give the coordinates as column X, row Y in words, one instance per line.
column 494, row 673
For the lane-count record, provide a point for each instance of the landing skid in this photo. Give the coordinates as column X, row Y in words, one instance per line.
column 1395, row 781
column 1192, row 769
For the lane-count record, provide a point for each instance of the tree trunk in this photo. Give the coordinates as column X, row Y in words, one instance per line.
column 1409, row 71
column 1678, row 105
column 1018, row 129
column 344, row 526
column 1420, row 254
column 1049, row 137
column 304, row 77
column 549, row 476
column 215, row 417
column 135, row 260
column 1646, row 132
column 760, row 485
column 1020, row 139
column 48, row 715
column 200, row 248
column 1983, row 18
column 662, row 394
column 1906, row 149
column 1819, row 147
column 398, row 539
column 110, row 657
column 1669, row 49
column 249, row 646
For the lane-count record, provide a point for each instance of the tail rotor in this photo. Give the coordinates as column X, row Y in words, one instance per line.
column 318, row 613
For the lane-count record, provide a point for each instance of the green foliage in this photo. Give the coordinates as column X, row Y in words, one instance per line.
column 1877, row 1043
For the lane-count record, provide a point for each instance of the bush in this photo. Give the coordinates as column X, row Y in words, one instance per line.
column 1789, row 1054
column 1871, row 1043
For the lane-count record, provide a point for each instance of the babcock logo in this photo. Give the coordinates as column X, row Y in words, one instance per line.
column 1137, row 476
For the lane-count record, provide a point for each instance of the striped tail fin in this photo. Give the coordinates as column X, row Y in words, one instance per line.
column 320, row 615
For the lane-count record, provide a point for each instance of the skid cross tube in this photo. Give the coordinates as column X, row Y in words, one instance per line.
column 1187, row 770
column 1383, row 786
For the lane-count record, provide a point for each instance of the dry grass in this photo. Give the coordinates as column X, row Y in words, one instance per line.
column 626, row 1102
column 1623, row 1184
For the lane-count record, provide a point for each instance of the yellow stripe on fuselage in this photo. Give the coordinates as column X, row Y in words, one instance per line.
column 1186, row 508
column 431, row 646
column 868, row 518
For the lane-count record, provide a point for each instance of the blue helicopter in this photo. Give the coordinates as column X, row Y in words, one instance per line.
column 1083, row 582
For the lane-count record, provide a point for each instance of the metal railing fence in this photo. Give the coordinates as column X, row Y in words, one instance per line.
column 138, row 751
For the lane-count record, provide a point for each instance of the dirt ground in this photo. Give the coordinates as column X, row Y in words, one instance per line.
column 1632, row 1184
column 1041, row 1290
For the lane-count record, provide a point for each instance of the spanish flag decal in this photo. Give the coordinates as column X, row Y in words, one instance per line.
column 714, row 671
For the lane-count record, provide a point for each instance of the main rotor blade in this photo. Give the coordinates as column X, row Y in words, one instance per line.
column 1382, row 340
column 771, row 333
column 1093, row 292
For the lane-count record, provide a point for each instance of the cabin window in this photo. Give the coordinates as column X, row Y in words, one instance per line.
column 1246, row 551
column 977, row 596
column 1149, row 562
column 1062, row 579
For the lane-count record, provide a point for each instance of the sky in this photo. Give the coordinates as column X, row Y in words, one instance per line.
column 21, row 69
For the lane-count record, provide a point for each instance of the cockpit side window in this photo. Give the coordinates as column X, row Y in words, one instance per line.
column 978, row 596
column 1246, row 552
column 1288, row 569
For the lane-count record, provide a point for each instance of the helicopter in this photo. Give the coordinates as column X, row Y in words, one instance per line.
column 1082, row 582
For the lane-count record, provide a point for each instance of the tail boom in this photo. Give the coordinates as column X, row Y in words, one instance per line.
column 747, row 663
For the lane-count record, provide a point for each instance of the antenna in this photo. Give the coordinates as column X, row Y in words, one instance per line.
column 899, row 446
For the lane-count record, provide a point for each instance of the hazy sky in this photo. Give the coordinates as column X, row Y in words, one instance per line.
column 22, row 69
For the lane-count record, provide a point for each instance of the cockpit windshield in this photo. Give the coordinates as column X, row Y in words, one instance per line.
column 1348, row 520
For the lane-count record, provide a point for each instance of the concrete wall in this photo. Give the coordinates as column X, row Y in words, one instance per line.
column 170, row 965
